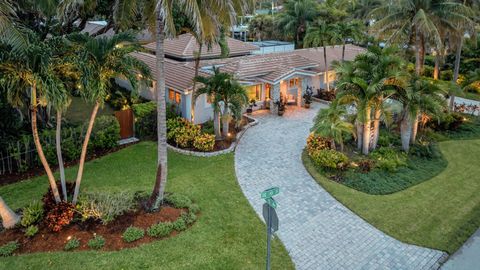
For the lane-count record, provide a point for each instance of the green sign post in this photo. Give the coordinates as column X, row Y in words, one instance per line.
column 270, row 216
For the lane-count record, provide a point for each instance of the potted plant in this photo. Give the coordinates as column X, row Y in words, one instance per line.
column 252, row 104
column 307, row 97
column 281, row 107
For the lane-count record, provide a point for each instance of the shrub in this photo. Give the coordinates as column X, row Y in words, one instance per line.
column 387, row 158
column 329, row 159
column 446, row 75
column 194, row 208
column 161, row 229
column 189, row 217
column 72, row 244
column 105, row 133
column 179, row 225
column 32, row 214
column 97, row 242
column 204, row 142
column 133, row 234
column 208, row 127
column 59, row 216
column 425, row 149
column 31, row 231
column 182, row 132
column 145, row 119
column 8, row 249
column 105, row 206
column 178, row 200
column 448, row 121
column 316, row 143
column 365, row 165
column 48, row 199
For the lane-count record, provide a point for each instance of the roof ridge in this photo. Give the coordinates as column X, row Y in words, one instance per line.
column 188, row 44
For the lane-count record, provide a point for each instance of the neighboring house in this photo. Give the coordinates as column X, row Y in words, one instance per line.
column 268, row 78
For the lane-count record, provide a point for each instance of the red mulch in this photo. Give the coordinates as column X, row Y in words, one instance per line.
column 45, row 240
column 17, row 177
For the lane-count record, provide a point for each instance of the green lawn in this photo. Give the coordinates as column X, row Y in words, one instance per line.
column 227, row 235
column 440, row 213
column 79, row 111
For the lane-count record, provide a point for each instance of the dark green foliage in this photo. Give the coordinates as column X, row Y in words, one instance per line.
column 389, row 159
column 387, row 139
column 105, row 134
column 31, row 231
column 329, row 159
column 146, row 118
column 8, row 249
column 178, row 200
column 446, row 75
column 470, row 129
column 208, row 128
column 133, row 234
column 179, row 225
column 189, row 217
column 448, row 121
column 161, row 229
column 32, row 214
column 121, row 98
column 425, row 150
column 194, row 208
column 97, row 242
column 72, row 244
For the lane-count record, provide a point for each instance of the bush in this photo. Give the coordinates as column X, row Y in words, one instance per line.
column 32, row 214
column 386, row 158
column 388, row 139
column 329, row 159
column 145, row 119
column 105, row 206
column 182, row 132
column 8, row 249
column 316, row 143
column 133, row 234
column 179, row 225
column 446, row 75
column 59, row 216
column 178, row 200
column 72, row 244
column 31, row 231
column 97, row 242
column 161, row 229
column 366, row 165
column 425, row 149
column 189, row 217
column 194, row 208
column 204, row 142
column 208, row 127
column 105, row 133
column 448, row 121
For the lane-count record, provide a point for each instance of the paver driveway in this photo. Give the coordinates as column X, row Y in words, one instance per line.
column 317, row 230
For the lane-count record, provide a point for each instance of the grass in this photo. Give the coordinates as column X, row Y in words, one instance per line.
column 440, row 213
column 79, row 111
column 227, row 235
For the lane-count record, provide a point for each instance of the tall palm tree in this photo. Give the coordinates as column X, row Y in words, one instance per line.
column 100, row 61
column 32, row 72
column 416, row 22
column 296, row 17
column 228, row 96
column 322, row 35
column 10, row 30
column 330, row 123
column 349, row 30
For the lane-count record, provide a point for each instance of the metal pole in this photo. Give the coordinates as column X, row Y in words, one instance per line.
column 269, row 235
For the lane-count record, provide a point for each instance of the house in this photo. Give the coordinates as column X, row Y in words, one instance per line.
column 268, row 78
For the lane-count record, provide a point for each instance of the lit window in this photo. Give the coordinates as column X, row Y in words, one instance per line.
column 268, row 91
column 178, row 98
column 171, row 95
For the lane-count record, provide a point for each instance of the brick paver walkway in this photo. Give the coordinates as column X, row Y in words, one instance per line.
column 317, row 230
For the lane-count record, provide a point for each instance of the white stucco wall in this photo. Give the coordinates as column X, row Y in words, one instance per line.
column 203, row 110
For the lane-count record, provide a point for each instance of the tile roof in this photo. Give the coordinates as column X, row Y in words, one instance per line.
column 177, row 75
column 184, row 46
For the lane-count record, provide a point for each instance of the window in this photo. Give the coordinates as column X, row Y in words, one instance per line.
column 171, row 94
column 178, row 98
column 268, row 91
column 254, row 92
column 293, row 82
column 174, row 97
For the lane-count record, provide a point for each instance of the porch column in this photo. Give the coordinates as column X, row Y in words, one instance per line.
column 275, row 97
column 187, row 106
column 306, row 81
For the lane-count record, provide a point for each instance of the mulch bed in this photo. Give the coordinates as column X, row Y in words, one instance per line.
column 46, row 240
column 17, row 177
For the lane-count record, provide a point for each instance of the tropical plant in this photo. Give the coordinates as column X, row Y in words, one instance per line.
column 227, row 95
column 10, row 32
column 296, row 17
column 349, row 31
column 472, row 83
column 100, row 61
column 322, row 35
column 262, row 27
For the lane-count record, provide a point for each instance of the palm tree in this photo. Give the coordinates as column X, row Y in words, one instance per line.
column 296, row 17
column 261, row 26
column 228, row 97
column 473, row 80
column 100, row 61
column 349, row 30
column 32, row 71
column 329, row 123
column 417, row 22
column 362, row 9
column 9, row 218
column 10, row 30
column 322, row 35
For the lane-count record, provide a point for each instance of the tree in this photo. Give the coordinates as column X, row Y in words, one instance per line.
column 416, row 22
column 32, row 71
column 10, row 32
column 361, row 9
column 349, row 31
column 296, row 17
column 101, row 60
column 227, row 95
column 330, row 123
column 262, row 27
column 322, row 35
column 9, row 218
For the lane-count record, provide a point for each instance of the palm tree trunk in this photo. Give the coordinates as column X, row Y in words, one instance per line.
column 366, row 132
column 376, row 127
column 225, row 120
column 216, row 125
column 83, row 155
column 413, row 137
column 194, row 87
column 326, row 67
column 359, row 127
column 436, row 70
column 420, row 55
column 58, row 145
column 405, row 131
column 343, row 51
column 38, row 146
column 9, row 218
column 456, row 70
column 161, row 179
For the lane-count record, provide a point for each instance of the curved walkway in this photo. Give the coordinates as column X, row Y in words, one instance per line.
column 317, row 230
